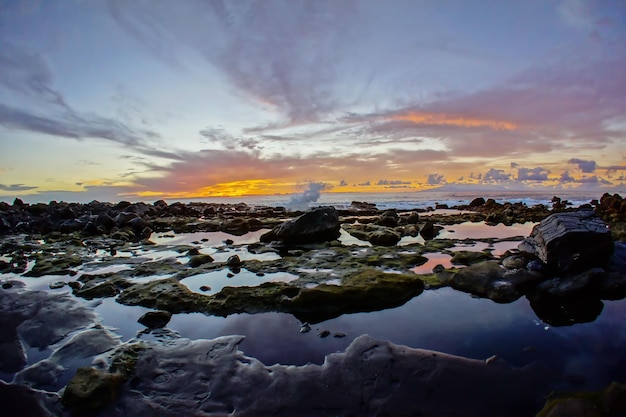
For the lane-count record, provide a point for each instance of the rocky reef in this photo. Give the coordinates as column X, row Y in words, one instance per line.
column 353, row 260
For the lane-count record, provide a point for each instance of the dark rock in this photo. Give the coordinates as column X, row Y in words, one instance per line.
column 318, row 225
column 155, row 319
column 124, row 217
column 233, row 261
column 197, row 260
column 324, row 334
column 71, row 225
column 428, row 230
column 477, row 202
column 21, row 400
column 412, row 218
column 389, row 218
column 105, row 222
column 515, row 262
column 570, row 242
column 486, row 279
column 383, row 237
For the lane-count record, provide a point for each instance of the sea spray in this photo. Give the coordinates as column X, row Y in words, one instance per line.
column 311, row 194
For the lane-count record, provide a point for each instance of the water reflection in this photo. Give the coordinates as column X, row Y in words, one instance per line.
column 213, row 282
column 480, row 230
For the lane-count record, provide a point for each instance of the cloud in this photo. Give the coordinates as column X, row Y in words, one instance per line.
column 365, row 184
column 436, row 179
column 532, row 174
column 16, row 187
column 393, row 182
column 585, row 166
column 28, row 74
column 74, row 126
column 496, row 175
column 287, row 56
column 566, row 178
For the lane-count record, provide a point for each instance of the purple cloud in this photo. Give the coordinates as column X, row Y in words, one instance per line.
column 532, row 174
column 585, row 166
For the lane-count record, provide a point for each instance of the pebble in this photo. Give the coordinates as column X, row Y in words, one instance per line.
column 305, row 328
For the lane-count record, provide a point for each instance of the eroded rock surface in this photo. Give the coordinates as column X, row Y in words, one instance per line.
column 317, row 225
column 570, row 242
column 214, row 378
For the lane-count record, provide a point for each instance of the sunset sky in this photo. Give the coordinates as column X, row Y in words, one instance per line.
column 126, row 99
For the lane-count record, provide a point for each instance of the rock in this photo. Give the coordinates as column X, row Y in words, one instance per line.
column 384, row 236
column 428, row 230
column 371, row 378
column 477, row 202
column 412, row 218
column 318, row 225
column 486, row 279
column 233, row 261
column 570, row 242
column 155, row 319
column 91, row 389
column 464, row 257
column 389, row 218
column 324, row 334
column 124, row 217
column 198, row 260
column 515, row 262
column 565, row 311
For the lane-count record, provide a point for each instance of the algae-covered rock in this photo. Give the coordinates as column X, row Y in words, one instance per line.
column 486, row 279
column 91, row 389
column 384, row 237
column 47, row 265
column 606, row 403
column 165, row 294
column 465, row 257
column 200, row 259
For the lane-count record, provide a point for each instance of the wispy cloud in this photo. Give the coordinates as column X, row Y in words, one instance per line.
column 16, row 187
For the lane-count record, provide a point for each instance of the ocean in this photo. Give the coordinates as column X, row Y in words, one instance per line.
column 404, row 200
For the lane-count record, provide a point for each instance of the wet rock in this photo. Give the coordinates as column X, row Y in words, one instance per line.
column 609, row 402
column 515, row 262
column 213, row 377
column 570, row 242
column 233, row 261
column 155, row 319
column 124, row 217
column 477, row 202
column 91, row 389
column 12, row 353
column 56, row 285
column 324, row 334
column 464, row 257
column 389, row 218
column 428, row 230
column 384, row 236
column 486, row 279
column 318, row 225
column 198, row 260
column 46, row 265
column 305, row 328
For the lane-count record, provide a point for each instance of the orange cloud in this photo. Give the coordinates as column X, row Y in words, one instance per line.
column 423, row 118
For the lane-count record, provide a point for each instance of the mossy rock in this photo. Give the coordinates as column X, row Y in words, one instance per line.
column 366, row 290
column 91, row 389
column 50, row 265
column 606, row 403
column 197, row 260
column 465, row 257
column 165, row 294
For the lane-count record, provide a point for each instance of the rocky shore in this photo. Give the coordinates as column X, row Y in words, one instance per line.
column 359, row 259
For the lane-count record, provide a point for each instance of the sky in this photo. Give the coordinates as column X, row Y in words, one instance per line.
column 142, row 100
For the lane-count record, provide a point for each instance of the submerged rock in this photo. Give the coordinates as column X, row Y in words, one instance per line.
column 570, row 242
column 91, row 389
column 318, row 225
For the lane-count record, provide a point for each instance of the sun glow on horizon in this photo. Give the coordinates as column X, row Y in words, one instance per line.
column 424, row 118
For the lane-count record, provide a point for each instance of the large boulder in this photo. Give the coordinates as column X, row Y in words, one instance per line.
column 321, row 224
column 570, row 242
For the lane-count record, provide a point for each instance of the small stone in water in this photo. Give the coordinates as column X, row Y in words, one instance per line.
column 229, row 241
column 305, row 328
column 260, row 274
column 204, row 239
column 75, row 285
column 230, row 275
column 339, row 334
column 205, row 288
column 324, row 333
column 56, row 285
